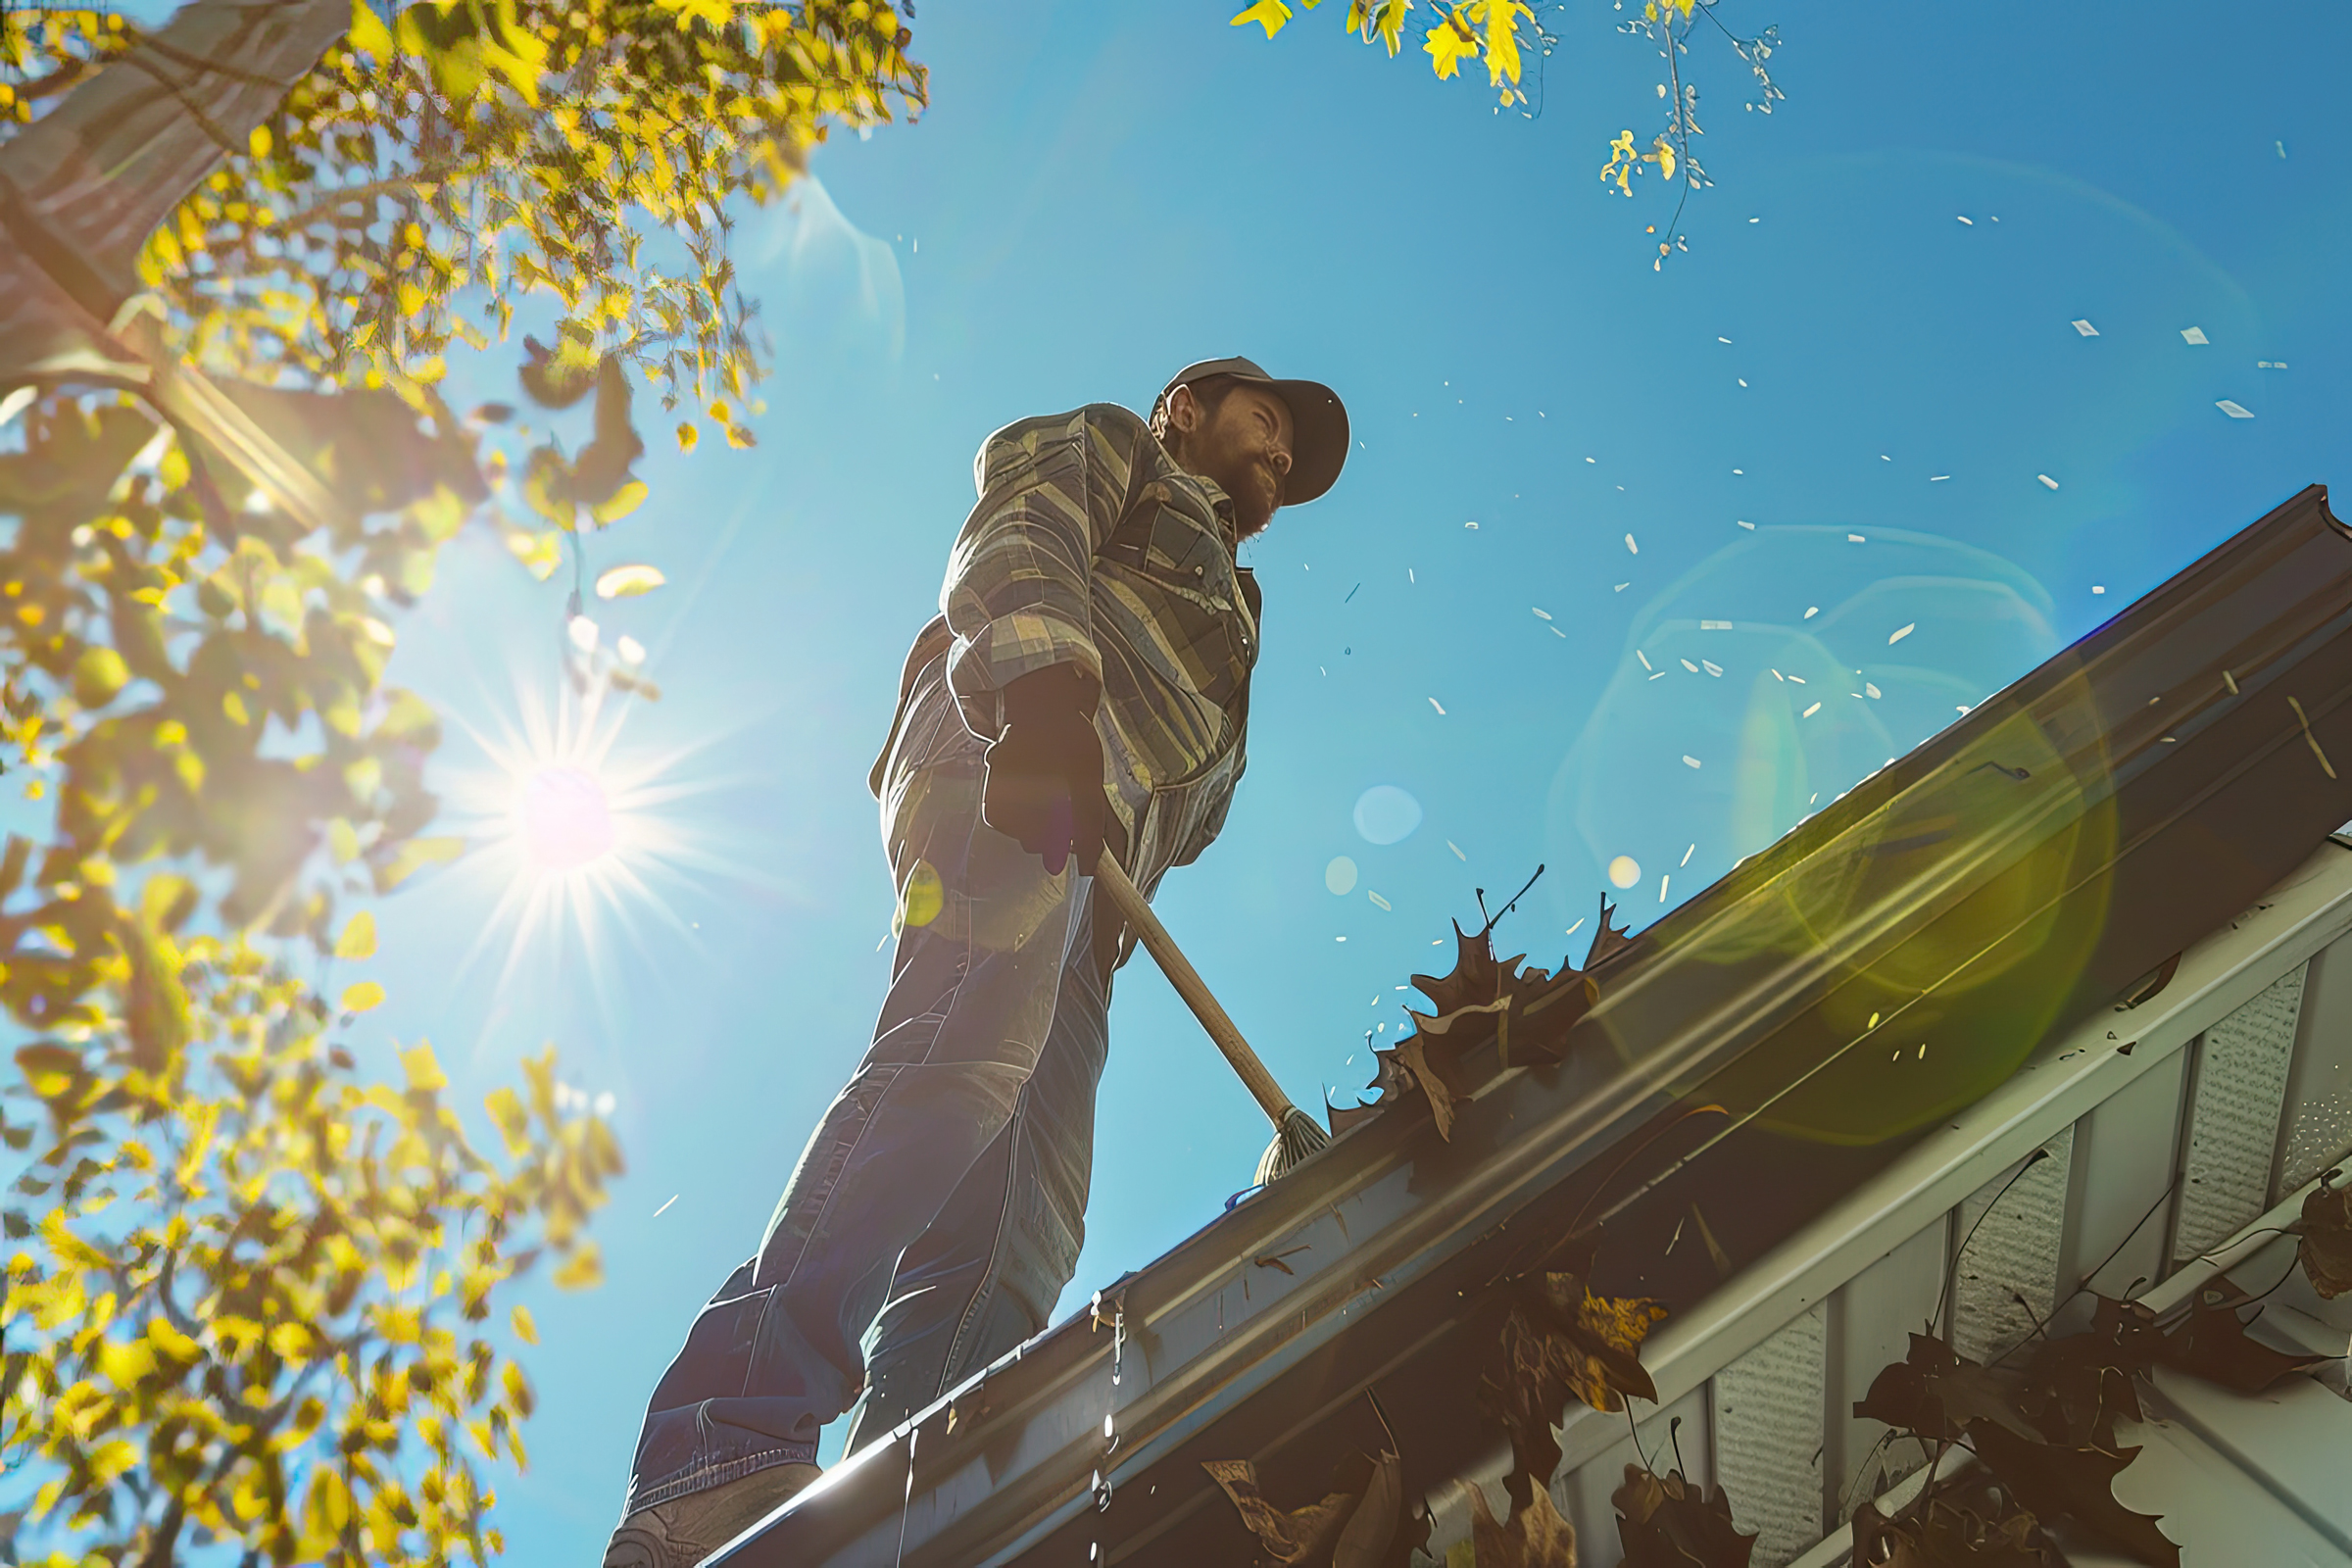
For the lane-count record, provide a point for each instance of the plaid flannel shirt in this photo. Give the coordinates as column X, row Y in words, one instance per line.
column 1088, row 546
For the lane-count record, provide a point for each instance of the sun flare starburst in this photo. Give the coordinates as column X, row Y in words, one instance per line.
column 566, row 827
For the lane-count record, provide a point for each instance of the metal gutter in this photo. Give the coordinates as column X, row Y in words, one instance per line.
column 2010, row 877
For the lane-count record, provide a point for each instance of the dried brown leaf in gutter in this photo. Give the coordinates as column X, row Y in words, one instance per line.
column 1936, row 1393
column 2077, row 1387
column 1355, row 1525
column 2078, row 1484
column 1664, row 1522
column 1476, row 978
column 1482, row 995
column 2326, row 1229
column 1947, row 1537
column 2211, row 1342
column 1608, row 939
column 1536, row 1536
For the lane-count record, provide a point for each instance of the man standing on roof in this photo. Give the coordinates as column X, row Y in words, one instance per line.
column 1088, row 684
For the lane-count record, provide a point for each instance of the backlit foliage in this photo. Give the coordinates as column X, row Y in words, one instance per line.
column 248, row 1293
column 1503, row 34
column 278, row 1337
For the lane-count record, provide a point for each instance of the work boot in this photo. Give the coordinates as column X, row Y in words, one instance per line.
column 682, row 1531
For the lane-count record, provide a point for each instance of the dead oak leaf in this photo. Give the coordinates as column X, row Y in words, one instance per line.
column 2211, row 1342
column 2078, row 1385
column 1608, row 939
column 1664, row 1522
column 1946, row 1538
column 2079, row 1483
column 1437, row 1080
column 1562, row 1342
column 2326, row 1229
column 1934, row 1392
column 1536, row 1536
column 1476, row 977
column 1351, row 1526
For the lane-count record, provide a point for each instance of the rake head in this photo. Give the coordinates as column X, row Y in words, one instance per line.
column 1300, row 1136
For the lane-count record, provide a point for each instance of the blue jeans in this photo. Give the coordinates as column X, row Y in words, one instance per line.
column 942, row 1199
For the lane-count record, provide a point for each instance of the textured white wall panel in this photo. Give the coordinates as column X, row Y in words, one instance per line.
column 2239, row 1088
column 2010, row 1247
column 1768, row 1439
column 2119, row 1206
column 1871, row 1322
column 2319, row 1086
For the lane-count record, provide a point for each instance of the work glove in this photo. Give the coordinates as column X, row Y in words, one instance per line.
column 1043, row 782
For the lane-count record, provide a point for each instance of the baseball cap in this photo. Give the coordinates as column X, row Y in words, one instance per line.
column 1318, row 424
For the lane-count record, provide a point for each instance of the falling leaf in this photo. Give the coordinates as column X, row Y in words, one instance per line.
column 1271, row 14
column 1536, row 1536
column 1665, row 1523
column 1560, row 1343
column 2078, row 1483
column 362, row 997
column 358, row 939
column 627, row 582
column 2326, row 1229
column 1351, row 1527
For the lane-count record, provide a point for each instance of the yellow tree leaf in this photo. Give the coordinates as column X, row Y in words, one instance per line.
column 368, row 34
column 425, row 1071
column 513, row 1122
column 358, row 939
column 1451, row 42
column 627, row 582
column 585, row 1270
column 1389, row 23
column 1271, row 14
column 1663, row 157
column 526, row 1328
column 687, row 436
column 362, row 997
column 1498, row 23
column 621, row 502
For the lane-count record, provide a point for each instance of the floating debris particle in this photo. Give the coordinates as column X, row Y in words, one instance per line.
column 2086, row 328
column 2194, row 334
column 1901, row 632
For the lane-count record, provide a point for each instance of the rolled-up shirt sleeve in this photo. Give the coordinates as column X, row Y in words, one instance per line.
column 1019, row 582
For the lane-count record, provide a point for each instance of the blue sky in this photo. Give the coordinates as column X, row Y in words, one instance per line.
column 1105, row 192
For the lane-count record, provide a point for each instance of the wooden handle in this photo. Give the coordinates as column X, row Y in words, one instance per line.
column 1111, row 877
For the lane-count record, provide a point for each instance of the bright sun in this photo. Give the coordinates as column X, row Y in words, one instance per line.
column 566, row 827
column 566, row 819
